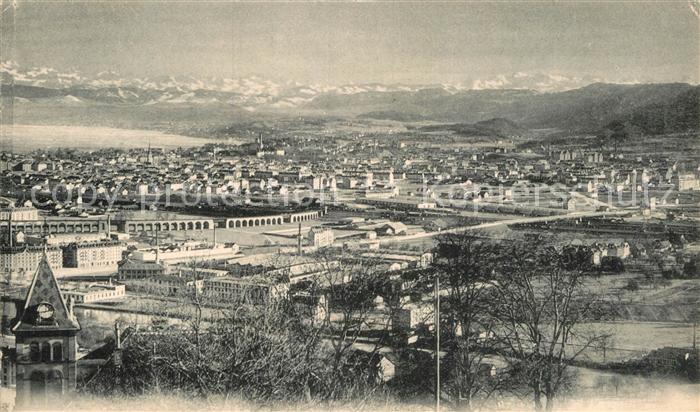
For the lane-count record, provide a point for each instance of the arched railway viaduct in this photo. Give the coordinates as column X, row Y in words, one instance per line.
column 82, row 225
column 254, row 221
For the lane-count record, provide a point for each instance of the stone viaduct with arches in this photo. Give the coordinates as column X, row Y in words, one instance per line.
column 254, row 221
column 167, row 225
column 207, row 223
column 88, row 225
column 60, row 225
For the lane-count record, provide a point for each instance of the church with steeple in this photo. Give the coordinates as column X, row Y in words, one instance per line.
column 38, row 344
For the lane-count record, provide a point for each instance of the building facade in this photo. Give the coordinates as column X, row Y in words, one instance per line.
column 131, row 269
column 19, row 214
column 244, row 290
column 99, row 254
column 95, row 293
column 686, row 181
column 321, row 237
column 18, row 263
column 167, row 285
column 186, row 252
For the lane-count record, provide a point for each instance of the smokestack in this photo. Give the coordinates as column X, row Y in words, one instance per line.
column 9, row 227
column 109, row 225
column 157, row 247
column 214, row 233
column 299, row 240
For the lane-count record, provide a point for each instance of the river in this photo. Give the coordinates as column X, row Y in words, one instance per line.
column 108, row 317
column 628, row 339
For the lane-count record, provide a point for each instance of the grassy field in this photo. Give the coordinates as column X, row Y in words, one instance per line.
column 634, row 339
column 671, row 303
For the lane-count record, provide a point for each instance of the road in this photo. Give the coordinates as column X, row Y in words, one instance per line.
column 424, row 235
column 591, row 201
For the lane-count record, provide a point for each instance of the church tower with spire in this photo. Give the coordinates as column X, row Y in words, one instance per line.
column 149, row 157
column 46, row 345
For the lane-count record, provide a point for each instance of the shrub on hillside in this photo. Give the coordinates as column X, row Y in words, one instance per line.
column 632, row 285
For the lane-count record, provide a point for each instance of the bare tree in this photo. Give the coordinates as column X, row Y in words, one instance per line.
column 257, row 352
column 265, row 352
column 542, row 308
column 351, row 286
column 463, row 262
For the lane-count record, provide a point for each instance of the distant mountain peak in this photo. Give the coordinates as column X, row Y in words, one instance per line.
column 538, row 81
column 252, row 91
column 528, row 99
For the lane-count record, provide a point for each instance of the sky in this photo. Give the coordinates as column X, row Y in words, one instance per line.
column 339, row 43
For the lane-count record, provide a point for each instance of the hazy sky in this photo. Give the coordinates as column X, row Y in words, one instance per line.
column 363, row 42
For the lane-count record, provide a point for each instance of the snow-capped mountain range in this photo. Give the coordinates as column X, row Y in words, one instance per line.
column 533, row 100
column 250, row 93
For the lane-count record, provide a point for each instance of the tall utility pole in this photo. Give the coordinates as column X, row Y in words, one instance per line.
column 437, row 343
column 9, row 228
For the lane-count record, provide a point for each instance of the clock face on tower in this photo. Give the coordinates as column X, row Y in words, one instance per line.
column 45, row 311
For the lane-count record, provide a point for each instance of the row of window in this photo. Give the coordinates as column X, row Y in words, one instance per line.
column 53, row 228
column 172, row 226
column 45, row 352
column 32, row 258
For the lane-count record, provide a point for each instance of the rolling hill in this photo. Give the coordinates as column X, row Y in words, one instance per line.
column 497, row 127
column 655, row 108
column 47, row 96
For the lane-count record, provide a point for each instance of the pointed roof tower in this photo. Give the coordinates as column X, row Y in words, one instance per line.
column 150, row 155
column 44, row 294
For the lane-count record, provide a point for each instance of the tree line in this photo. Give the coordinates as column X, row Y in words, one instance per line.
column 513, row 317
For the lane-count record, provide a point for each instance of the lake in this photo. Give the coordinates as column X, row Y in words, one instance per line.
column 26, row 138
